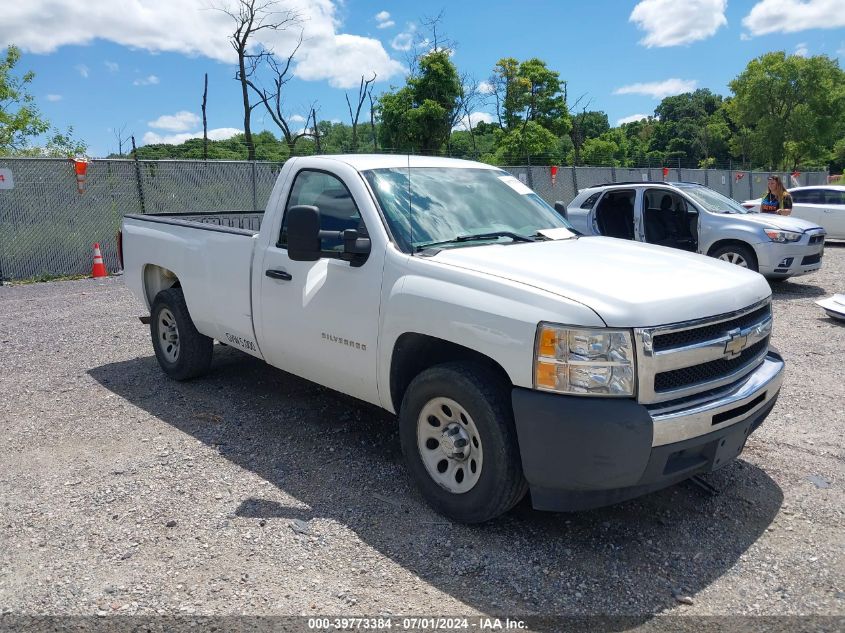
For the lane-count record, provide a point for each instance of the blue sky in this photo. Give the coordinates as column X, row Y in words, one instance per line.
column 141, row 63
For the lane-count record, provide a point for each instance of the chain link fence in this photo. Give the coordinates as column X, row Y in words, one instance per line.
column 47, row 228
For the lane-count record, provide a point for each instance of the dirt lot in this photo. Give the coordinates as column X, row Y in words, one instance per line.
column 252, row 491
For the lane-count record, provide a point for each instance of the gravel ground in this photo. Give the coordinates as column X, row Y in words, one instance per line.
column 251, row 491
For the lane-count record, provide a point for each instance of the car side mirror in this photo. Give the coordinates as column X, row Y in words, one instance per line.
column 561, row 208
column 303, row 233
column 304, row 238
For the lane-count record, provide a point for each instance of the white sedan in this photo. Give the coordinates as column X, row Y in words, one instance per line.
column 822, row 204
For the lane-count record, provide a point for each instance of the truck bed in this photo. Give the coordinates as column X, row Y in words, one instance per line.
column 210, row 253
column 249, row 221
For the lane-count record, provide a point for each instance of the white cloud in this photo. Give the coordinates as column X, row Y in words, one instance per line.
column 179, row 122
column 296, row 118
column 801, row 50
column 83, row 70
column 672, row 23
column 191, row 27
column 631, row 118
column 384, row 21
column 54, row 97
column 352, row 56
column 475, row 118
column 217, row 134
column 150, row 80
column 485, row 87
column 790, row 16
column 113, row 67
column 658, row 89
column 403, row 41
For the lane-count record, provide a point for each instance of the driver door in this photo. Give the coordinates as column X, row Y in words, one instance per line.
column 320, row 319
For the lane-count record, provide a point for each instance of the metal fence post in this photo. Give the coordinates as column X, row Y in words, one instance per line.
column 574, row 180
column 138, row 176
column 613, row 172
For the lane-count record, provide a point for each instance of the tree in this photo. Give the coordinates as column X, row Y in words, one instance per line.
column 529, row 91
column 363, row 89
column 529, row 142
column 251, row 17
column 418, row 116
column 273, row 99
column 20, row 119
column 793, row 106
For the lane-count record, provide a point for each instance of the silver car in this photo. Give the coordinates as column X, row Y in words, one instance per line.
column 694, row 218
column 823, row 205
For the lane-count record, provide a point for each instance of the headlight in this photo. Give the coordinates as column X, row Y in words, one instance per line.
column 597, row 362
column 783, row 236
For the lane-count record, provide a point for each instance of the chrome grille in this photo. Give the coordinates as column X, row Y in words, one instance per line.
column 686, row 376
column 685, row 359
column 706, row 332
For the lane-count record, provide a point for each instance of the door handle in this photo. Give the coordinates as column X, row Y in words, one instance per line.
column 278, row 274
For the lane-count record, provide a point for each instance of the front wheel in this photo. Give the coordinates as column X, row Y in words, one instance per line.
column 459, row 442
column 738, row 255
column 182, row 352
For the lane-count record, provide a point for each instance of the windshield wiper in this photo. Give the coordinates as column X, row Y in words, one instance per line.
column 477, row 237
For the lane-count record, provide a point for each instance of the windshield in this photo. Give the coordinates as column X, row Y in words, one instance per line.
column 442, row 204
column 714, row 201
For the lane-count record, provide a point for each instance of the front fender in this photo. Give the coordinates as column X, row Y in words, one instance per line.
column 495, row 317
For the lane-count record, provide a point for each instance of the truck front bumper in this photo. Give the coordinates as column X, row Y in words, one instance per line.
column 580, row 453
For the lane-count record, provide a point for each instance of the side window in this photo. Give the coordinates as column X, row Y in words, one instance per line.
column 590, row 201
column 834, row 197
column 807, row 196
column 337, row 208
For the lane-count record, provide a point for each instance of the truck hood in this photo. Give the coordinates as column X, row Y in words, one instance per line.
column 628, row 284
column 783, row 222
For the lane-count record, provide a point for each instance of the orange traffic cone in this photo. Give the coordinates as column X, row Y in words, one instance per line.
column 99, row 268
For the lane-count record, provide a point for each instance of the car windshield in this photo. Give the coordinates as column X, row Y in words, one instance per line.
column 713, row 200
column 454, row 206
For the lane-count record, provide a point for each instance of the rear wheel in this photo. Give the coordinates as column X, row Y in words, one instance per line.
column 459, row 441
column 182, row 352
column 738, row 255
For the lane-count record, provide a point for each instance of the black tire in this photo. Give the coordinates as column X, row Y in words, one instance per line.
column 194, row 350
column 745, row 252
column 486, row 399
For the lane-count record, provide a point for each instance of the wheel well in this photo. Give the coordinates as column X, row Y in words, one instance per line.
column 414, row 353
column 156, row 279
column 722, row 243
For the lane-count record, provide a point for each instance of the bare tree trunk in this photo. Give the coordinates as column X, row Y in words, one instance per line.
column 250, row 17
column 363, row 89
column 316, row 132
column 205, row 120
column 373, row 119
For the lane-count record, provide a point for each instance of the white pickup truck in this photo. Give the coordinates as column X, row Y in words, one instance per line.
column 518, row 355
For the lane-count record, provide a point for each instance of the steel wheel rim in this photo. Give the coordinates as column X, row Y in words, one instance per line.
column 449, row 445
column 168, row 335
column 734, row 258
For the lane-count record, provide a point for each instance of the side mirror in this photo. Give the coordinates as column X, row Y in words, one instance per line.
column 304, row 238
column 561, row 208
column 304, row 233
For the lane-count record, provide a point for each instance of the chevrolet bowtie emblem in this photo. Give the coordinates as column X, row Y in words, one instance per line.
column 736, row 343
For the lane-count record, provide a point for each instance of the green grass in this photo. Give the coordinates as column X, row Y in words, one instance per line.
column 44, row 278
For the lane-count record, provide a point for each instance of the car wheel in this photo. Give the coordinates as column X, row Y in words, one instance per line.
column 182, row 352
column 738, row 255
column 459, row 442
